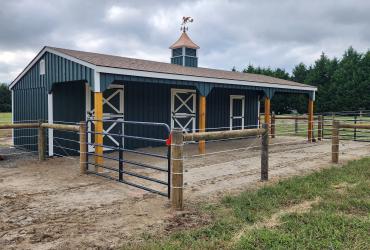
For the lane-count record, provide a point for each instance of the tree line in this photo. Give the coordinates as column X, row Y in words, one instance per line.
column 343, row 84
column 5, row 98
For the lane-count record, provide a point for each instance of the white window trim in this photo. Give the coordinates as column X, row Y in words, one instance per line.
column 42, row 68
column 232, row 98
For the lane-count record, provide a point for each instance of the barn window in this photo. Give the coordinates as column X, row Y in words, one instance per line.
column 42, row 67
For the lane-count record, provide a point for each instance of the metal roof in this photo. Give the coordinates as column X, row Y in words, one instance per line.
column 184, row 41
column 123, row 65
column 160, row 67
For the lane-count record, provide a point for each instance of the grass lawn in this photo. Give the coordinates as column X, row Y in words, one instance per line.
column 287, row 127
column 5, row 117
column 329, row 209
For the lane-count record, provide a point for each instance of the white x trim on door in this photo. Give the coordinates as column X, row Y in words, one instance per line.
column 117, row 109
column 187, row 106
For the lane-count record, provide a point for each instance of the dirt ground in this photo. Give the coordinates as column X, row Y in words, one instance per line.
column 49, row 205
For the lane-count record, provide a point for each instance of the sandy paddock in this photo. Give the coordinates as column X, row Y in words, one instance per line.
column 49, row 205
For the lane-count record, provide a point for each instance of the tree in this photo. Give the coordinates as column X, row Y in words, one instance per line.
column 343, row 84
column 5, row 98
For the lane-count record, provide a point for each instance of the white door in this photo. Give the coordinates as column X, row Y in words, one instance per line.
column 113, row 113
column 183, row 109
column 237, row 111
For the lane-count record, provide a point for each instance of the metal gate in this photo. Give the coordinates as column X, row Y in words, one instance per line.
column 119, row 167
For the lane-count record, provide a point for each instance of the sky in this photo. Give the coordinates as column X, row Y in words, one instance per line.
column 267, row 33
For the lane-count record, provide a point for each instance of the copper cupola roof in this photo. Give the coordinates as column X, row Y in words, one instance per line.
column 184, row 41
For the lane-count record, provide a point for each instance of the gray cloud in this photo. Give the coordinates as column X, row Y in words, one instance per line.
column 234, row 32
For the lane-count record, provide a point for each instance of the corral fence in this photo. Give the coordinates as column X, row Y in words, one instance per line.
column 321, row 127
column 354, row 133
column 339, row 126
column 90, row 162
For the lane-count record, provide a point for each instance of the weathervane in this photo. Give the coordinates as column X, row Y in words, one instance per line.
column 185, row 21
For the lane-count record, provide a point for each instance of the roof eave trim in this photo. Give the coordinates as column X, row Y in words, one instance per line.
column 40, row 55
column 110, row 70
column 118, row 71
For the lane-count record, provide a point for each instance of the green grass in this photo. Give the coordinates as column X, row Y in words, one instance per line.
column 5, row 117
column 287, row 127
column 338, row 215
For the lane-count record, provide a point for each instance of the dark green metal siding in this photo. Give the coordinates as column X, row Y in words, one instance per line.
column 177, row 60
column 68, row 107
column 149, row 103
column 30, row 105
column 218, row 108
column 191, row 61
column 30, row 93
column 152, row 103
column 58, row 69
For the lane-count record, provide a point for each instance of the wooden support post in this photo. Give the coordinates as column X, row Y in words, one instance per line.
column 273, row 125
column 202, row 122
column 41, row 142
column 267, row 111
column 98, row 105
column 265, row 153
column 177, row 172
column 319, row 127
column 83, row 148
column 296, row 124
column 310, row 121
column 335, row 142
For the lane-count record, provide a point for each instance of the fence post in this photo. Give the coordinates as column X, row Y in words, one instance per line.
column 355, row 129
column 335, row 142
column 120, row 158
column 265, row 153
column 177, row 147
column 83, row 148
column 273, row 130
column 41, row 142
column 296, row 124
column 319, row 127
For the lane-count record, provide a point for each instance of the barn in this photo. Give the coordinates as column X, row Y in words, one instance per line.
column 67, row 86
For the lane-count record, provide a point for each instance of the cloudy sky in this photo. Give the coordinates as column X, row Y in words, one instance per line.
column 230, row 33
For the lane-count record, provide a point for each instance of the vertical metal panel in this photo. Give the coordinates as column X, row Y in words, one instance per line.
column 30, row 93
column 218, row 107
column 68, row 106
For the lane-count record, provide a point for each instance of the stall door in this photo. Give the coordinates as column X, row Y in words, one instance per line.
column 183, row 109
column 113, row 113
column 237, row 106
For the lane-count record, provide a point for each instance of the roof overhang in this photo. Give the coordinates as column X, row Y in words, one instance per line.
column 100, row 69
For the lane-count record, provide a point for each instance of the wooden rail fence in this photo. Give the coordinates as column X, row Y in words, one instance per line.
column 177, row 147
column 296, row 119
column 335, row 137
column 41, row 144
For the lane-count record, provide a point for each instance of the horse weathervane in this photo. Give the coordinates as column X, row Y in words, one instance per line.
column 185, row 21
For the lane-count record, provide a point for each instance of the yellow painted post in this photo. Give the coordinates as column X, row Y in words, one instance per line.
column 202, row 123
column 98, row 107
column 267, row 112
column 310, row 121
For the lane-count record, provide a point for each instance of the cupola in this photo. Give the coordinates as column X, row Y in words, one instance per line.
column 184, row 51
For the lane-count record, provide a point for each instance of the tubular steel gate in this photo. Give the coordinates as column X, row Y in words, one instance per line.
column 118, row 142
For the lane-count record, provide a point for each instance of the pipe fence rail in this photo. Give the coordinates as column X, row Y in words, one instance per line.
column 122, row 165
